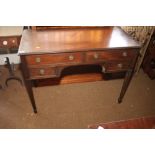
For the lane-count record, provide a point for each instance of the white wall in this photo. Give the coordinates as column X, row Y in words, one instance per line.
column 14, row 58
column 9, row 31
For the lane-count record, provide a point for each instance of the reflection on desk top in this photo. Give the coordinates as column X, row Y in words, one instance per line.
column 70, row 40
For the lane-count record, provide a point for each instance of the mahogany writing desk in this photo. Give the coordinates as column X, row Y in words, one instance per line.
column 44, row 54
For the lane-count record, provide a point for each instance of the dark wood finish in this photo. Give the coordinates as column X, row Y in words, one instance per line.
column 38, row 28
column 115, row 66
column 28, row 83
column 112, row 55
column 47, row 59
column 126, row 83
column 43, row 72
column 149, row 59
column 138, row 123
column 79, row 74
column 128, row 77
column 74, row 40
column 46, row 54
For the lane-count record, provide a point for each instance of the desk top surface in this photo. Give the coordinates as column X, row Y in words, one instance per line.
column 70, row 40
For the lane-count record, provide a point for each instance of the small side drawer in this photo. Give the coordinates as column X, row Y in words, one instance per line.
column 116, row 66
column 42, row 72
column 110, row 55
column 46, row 59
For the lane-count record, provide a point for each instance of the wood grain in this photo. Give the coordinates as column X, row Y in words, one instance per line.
column 45, row 59
column 47, row 54
column 69, row 40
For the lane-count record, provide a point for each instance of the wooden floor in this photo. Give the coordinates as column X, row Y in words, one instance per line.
column 76, row 105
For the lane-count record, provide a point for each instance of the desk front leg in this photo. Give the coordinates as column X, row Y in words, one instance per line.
column 28, row 85
column 128, row 77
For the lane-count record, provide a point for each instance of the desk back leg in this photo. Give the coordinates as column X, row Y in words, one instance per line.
column 126, row 83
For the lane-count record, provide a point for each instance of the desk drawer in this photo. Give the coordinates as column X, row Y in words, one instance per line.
column 110, row 55
column 42, row 72
column 116, row 66
column 54, row 58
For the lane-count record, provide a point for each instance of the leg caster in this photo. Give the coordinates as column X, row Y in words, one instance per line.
column 119, row 101
column 35, row 111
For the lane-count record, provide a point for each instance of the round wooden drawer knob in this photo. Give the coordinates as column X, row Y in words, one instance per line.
column 13, row 41
column 71, row 57
column 42, row 71
column 96, row 56
column 5, row 42
column 38, row 60
column 103, row 69
column 124, row 54
column 120, row 65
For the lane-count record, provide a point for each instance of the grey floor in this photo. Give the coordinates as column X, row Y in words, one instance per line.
column 75, row 105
